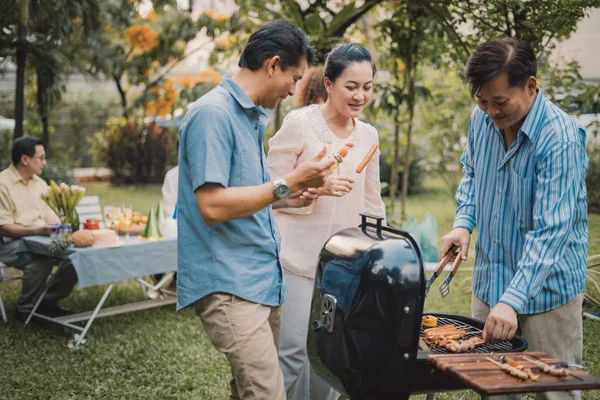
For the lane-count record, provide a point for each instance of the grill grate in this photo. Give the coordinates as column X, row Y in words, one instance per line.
column 472, row 331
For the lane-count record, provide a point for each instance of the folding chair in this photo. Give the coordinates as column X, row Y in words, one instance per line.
column 89, row 207
column 4, row 278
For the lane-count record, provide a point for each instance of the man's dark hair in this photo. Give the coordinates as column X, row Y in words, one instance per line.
column 24, row 146
column 342, row 56
column 277, row 38
column 510, row 55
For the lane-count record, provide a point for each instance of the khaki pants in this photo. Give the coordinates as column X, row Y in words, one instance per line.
column 558, row 332
column 300, row 382
column 248, row 334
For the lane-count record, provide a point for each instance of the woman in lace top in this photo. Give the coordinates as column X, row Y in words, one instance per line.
column 348, row 80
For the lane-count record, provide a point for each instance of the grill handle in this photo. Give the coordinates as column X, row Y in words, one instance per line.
column 379, row 221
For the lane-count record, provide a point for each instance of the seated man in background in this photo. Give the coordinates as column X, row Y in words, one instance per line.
column 24, row 213
column 169, row 227
column 169, row 192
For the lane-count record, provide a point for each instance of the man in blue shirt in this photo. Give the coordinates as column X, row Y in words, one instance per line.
column 228, row 243
column 524, row 189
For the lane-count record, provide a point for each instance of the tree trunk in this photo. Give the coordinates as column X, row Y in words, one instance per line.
column 396, row 162
column 411, row 113
column 122, row 94
column 21, row 64
column 278, row 117
column 43, row 111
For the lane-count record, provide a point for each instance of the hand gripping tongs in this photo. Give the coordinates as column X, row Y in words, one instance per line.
column 452, row 253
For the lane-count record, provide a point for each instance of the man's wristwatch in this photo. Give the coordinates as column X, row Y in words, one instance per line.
column 281, row 188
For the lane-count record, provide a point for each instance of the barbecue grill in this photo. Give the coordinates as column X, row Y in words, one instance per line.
column 366, row 315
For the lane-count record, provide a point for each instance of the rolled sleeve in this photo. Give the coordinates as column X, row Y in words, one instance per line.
column 208, row 141
column 560, row 175
column 6, row 208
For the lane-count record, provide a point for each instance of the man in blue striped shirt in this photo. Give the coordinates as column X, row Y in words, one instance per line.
column 524, row 189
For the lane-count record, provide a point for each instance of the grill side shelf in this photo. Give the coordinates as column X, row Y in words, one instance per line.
column 487, row 378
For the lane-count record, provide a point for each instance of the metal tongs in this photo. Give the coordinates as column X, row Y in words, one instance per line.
column 445, row 286
column 452, row 253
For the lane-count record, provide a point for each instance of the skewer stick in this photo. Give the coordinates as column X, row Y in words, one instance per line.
column 494, row 361
column 509, row 369
column 549, row 369
column 538, row 362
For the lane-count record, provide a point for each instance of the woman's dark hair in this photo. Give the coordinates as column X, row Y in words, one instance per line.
column 510, row 55
column 343, row 55
column 24, row 146
column 277, row 38
column 311, row 88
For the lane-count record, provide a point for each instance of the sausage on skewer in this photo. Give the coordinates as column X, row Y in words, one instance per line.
column 367, row 158
column 509, row 369
column 549, row 369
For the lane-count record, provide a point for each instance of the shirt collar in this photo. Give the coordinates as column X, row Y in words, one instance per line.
column 242, row 98
column 531, row 125
column 15, row 176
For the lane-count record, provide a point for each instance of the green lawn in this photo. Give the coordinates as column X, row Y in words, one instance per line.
column 162, row 354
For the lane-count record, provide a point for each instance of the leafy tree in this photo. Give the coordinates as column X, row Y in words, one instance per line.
column 541, row 23
column 138, row 52
column 44, row 37
column 443, row 121
column 325, row 22
column 411, row 38
column 133, row 50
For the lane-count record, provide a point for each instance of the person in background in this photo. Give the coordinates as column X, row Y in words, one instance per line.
column 23, row 213
column 348, row 79
column 169, row 192
column 523, row 187
column 168, row 205
column 311, row 89
column 227, row 240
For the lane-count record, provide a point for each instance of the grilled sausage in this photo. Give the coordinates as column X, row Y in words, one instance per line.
column 367, row 158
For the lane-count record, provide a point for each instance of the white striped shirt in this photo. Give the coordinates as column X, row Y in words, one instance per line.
column 529, row 204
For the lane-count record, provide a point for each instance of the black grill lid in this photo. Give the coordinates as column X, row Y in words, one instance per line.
column 366, row 311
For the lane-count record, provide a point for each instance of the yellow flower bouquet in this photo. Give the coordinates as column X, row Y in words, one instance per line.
column 63, row 199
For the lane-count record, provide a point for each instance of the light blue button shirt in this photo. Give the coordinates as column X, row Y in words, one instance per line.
column 529, row 204
column 221, row 141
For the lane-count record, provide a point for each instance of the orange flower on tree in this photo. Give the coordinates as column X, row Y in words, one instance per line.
column 189, row 81
column 222, row 17
column 223, row 43
column 210, row 13
column 77, row 22
column 151, row 16
column 142, row 37
column 166, row 96
column 209, row 76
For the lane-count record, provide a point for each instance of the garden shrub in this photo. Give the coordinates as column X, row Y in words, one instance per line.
column 5, row 148
column 136, row 152
column 593, row 179
column 415, row 174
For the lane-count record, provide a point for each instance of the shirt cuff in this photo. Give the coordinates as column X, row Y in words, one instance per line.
column 464, row 221
column 515, row 298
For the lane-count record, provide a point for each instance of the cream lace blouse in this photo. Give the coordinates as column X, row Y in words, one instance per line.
column 304, row 231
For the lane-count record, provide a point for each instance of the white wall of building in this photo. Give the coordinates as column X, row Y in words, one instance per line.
column 583, row 46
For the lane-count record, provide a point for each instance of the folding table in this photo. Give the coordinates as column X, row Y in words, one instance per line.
column 135, row 259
